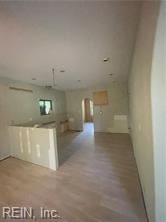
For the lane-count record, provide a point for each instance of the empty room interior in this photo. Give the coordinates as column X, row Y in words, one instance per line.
column 82, row 111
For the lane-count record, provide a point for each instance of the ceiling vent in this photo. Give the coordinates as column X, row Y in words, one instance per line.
column 48, row 87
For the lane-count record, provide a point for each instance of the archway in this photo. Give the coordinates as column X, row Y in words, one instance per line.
column 87, row 115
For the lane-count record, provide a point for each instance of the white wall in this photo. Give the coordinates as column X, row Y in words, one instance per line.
column 20, row 107
column 118, row 105
column 159, row 114
column 140, row 103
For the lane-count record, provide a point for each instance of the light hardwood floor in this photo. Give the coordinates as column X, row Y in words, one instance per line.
column 96, row 182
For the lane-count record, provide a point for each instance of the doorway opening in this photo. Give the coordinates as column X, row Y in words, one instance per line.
column 87, row 111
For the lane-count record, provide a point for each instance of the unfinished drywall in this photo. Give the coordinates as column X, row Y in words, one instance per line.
column 35, row 145
column 18, row 107
column 140, row 103
column 103, row 121
column 158, row 91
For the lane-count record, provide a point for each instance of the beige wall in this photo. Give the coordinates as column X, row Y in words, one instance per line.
column 159, row 114
column 140, row 102
column 19, row 107
column 118, row 105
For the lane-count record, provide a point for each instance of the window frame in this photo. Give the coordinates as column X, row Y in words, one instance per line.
column 51, row 105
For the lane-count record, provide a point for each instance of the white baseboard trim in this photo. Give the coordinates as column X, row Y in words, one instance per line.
column 5, row 157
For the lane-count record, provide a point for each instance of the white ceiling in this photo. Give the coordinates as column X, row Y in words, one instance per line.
column 74, row 36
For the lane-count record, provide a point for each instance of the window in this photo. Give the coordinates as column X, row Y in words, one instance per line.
column 45, row 106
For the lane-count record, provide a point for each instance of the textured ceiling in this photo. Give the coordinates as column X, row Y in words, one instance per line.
column 70, row 36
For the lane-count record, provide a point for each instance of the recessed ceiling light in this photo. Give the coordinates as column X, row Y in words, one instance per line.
column 33, row 79
column 110, row 74
column 106, row 59
column 62, row 70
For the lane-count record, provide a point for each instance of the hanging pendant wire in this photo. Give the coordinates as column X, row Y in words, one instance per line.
column 53, row 74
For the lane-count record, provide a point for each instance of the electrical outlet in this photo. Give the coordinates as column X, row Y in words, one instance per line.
column 101, row 112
